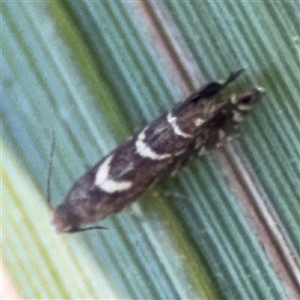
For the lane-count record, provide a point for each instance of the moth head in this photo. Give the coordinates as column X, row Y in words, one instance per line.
column 65, row 220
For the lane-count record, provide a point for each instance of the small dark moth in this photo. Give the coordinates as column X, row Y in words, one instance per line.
column 200, row 123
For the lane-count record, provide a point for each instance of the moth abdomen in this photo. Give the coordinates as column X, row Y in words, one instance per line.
column 192, row 127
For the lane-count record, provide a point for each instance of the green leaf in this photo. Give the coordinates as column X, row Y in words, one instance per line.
column 227, row 227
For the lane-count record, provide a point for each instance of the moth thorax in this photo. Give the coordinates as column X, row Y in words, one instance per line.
column 65, row 219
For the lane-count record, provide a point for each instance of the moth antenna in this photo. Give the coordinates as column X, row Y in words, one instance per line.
column 50, row 170
column 88, row 228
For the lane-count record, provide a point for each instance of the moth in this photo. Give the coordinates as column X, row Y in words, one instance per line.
column 193, row 127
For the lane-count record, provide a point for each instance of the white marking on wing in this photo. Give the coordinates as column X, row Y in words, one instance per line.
column 237, row 116
column 221, row 134
column 179, row 152
column 198, row 122
column 260, row 89
column 233, row 99
column 198, row 143
column 202, row 151
column 112, row 186
column 145, row 151
column 103, row 171
column 103, row 182
column 172, row 120
column 244, row 107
